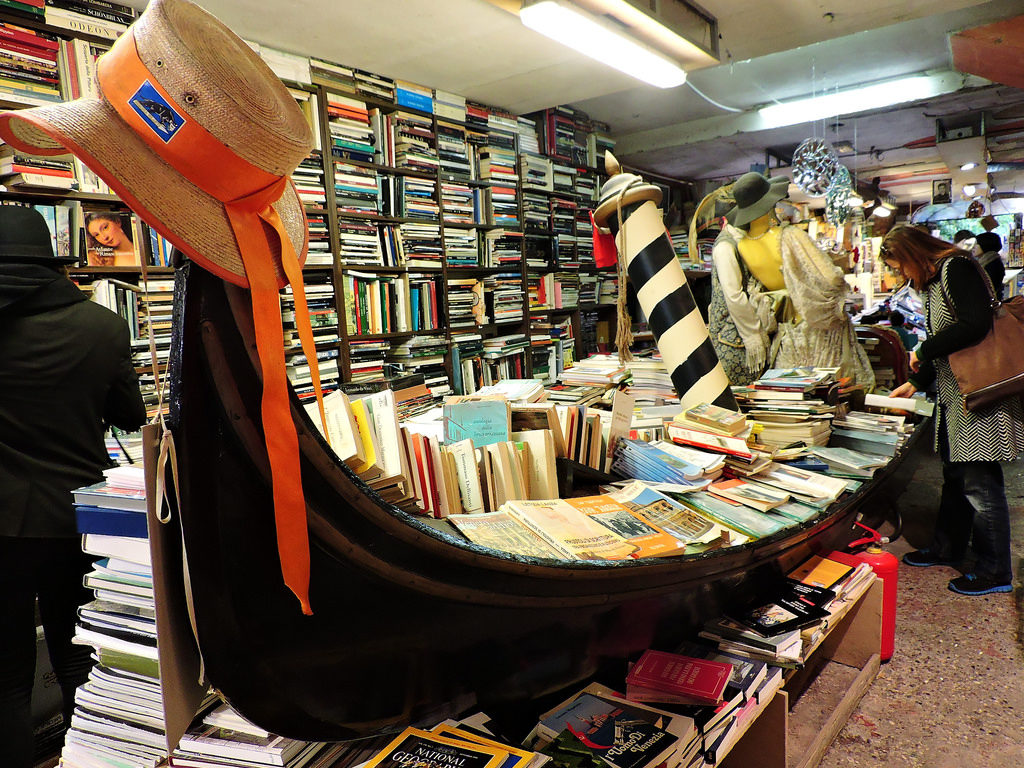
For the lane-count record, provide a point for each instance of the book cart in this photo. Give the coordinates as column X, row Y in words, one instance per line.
column 796, row 726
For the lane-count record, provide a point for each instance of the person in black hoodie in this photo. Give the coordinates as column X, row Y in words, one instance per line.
column 990, row 244
column 66, row 374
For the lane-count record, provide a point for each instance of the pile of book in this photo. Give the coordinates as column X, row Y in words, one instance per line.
column 119, row 713
column 466, row 743
column 631, row 522
column 870, row 433
column 783, row 625
column 718, row 690
column 223, row 737
column 598, row 369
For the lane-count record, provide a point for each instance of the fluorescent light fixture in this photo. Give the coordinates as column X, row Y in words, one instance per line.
column 968, row 166
column 970, row 189
column 849, row 102
column 581, row 32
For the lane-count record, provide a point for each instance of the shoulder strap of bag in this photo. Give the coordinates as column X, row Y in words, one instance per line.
column 994, row 301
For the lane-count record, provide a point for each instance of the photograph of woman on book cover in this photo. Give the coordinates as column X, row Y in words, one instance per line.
column 108, row 240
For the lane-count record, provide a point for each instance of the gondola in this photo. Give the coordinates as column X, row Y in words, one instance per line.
column 410, row 624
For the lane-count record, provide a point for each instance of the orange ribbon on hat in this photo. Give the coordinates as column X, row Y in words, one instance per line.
column 248, row 194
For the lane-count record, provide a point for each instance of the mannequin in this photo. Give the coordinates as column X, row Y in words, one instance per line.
column 813, row 327
column 741, row 319
column 760, row 251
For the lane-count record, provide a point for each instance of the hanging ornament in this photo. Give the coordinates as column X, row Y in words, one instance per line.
column 814, row 164
column 976, row 209
column 837, row 199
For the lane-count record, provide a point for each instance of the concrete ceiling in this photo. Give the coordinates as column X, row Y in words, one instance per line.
column 770, row 50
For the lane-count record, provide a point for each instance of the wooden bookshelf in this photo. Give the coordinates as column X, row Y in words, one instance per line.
column 795, row 728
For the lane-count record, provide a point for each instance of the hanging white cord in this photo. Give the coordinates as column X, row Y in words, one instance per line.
column 709, row 100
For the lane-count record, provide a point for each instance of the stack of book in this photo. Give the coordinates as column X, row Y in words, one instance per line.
column 844, row 462
column 645, row 461
column 119, row 713
column 468, row 744
column 224, row 737
column 599, row 369
column 650, row 381
column 575, row 394
column 713, row 429
column 18, row 170
column 870, row 433
column 98, row 18
column 661, row 677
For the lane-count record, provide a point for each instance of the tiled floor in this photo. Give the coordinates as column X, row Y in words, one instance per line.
column 953, row 694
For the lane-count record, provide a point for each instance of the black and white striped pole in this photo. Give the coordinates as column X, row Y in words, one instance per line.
column 628, row 208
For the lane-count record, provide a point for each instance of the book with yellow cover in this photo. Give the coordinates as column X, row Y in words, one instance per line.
column 423, row 749
column 570, row 531
column 821, row 571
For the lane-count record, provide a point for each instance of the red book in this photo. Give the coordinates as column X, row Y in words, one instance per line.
column 702, row 681
column 24, row 36
column 20, row 50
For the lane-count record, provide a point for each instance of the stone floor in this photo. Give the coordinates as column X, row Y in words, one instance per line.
column 953, row 694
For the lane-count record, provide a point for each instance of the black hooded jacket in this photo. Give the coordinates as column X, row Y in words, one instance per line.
column 65, row 373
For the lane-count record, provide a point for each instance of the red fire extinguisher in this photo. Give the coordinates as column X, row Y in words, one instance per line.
column 886, row 567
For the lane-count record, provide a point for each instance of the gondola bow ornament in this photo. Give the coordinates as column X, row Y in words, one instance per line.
column 628, row 208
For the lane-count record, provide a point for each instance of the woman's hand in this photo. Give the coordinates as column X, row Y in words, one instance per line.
column 915, row 364
column 906, row 389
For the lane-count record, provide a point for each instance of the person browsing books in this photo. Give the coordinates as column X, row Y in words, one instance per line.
column 970, row 443
column 109, row 243
column 66, row 374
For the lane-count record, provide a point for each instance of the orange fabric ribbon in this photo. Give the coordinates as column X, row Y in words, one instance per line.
column 248, row 194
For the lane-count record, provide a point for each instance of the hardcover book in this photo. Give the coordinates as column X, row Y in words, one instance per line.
column 700, row 681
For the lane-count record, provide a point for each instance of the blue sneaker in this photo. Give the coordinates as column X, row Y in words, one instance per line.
column 924, row 558
column 974, row 585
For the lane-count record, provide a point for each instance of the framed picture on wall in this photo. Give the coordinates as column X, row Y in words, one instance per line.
column 941, row 191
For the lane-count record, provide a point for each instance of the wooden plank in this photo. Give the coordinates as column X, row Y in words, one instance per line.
column 765, row 741
column 819, row 746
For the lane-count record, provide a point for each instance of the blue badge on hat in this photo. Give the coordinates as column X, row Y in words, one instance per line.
column 156, row 112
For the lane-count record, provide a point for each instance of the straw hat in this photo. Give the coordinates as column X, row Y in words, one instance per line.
column 190, row 127
column 755, row 196
column 627, row 186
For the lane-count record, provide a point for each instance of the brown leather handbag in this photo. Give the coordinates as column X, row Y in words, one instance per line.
column 993, row 369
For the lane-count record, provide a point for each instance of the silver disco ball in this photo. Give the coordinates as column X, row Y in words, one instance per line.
column 814, row 164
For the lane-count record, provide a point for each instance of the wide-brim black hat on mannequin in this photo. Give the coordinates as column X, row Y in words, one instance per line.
column 25, row 238
column 756, row 195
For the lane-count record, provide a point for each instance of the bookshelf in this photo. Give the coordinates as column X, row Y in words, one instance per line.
column 417, row 199
column 796, row 726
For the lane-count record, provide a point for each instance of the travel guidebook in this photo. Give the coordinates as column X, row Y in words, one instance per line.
column 615, row 733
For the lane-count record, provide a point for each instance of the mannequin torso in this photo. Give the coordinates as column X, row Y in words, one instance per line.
column 761, row 253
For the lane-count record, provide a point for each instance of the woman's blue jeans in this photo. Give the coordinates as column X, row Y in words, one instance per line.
column 973, row 509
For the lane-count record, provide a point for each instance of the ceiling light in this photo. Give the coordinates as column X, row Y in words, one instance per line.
column 581, row 32
column 968, row 166
column 850, row 101
column 969, row 190
column 882, row 211
column 854, row 200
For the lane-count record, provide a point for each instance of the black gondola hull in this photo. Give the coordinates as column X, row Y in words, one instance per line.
column 410, row 624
